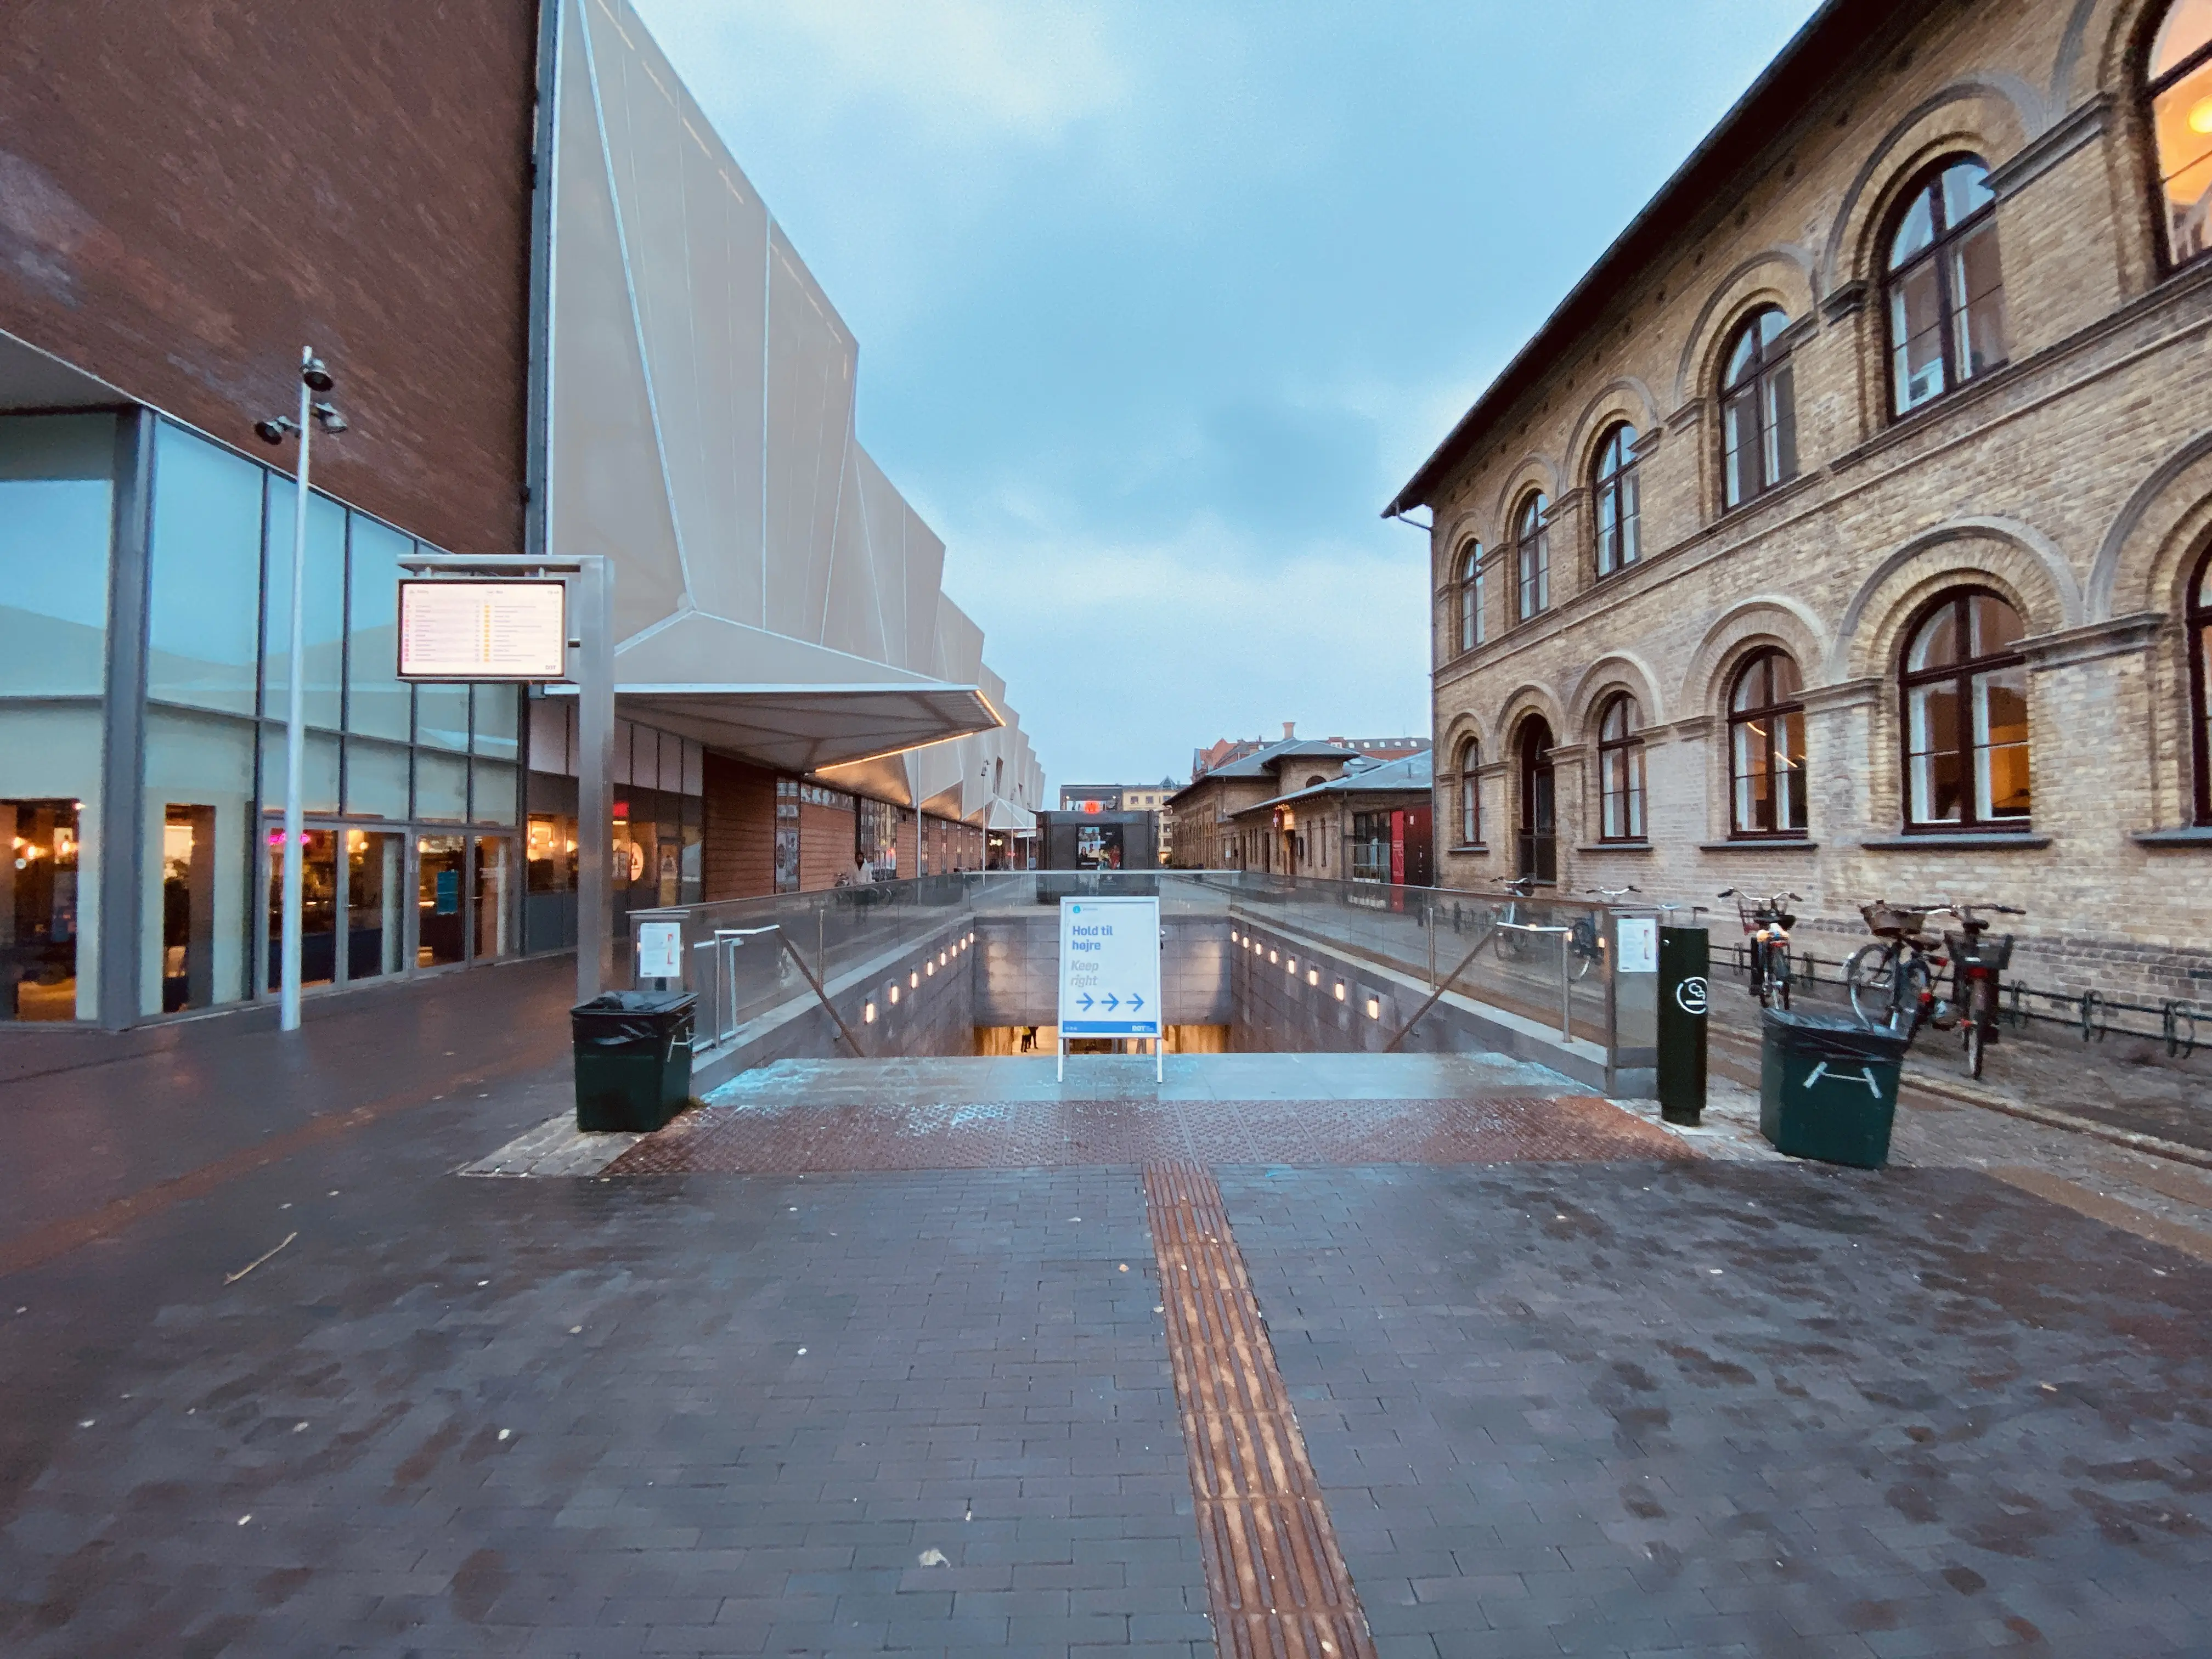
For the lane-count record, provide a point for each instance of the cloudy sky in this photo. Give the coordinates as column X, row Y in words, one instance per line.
column 1159, row 302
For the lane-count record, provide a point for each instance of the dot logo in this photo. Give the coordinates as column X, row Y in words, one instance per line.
column 1690, row 995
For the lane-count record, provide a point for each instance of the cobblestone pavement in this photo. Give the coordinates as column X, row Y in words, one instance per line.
column 312, row 1393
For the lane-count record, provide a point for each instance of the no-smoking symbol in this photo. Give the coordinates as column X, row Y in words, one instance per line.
column 1690, row 995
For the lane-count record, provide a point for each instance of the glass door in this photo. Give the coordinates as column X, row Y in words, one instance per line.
column 187, row 908
column 376, row 923
column 440, row 923
column 494, row 912
column 319, row 907
column 38, row 910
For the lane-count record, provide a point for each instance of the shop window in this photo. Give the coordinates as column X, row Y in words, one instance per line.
column 1964, row 689
column 1532, row 556
column 1470, row 596
column 787, row 835
column 2200, row 682
column 1620, row 770
column 55, row 524
column 39, row 892
column 1613, row 489
column 1944, row 285
column 1368, row 852
column 1758, row 408
column 2178, row 85
column 1766, row 748
column 195, row 936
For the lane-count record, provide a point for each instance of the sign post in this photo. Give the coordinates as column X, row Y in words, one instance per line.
column 1110, row 973
column 530, row 621
column 1685, row 961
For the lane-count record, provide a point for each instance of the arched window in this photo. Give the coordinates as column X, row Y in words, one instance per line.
column 1532, row 556
column 1470, row 596
column 1536, row 852
column 2179, row 81
column 1946, row 290
column 1964, row 689
column 1612, row 486
column 1766, row 747
column 1470, row 793
column 2200, row 678
column 1619, row 771
column 1758, row 408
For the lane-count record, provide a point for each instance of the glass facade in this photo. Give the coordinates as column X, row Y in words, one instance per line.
column 404, row 789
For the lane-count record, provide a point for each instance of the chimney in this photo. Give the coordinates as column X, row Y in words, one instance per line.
column 1289, row 730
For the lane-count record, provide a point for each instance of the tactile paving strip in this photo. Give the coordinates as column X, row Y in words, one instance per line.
column 795, row 1138
column 1274, row 1575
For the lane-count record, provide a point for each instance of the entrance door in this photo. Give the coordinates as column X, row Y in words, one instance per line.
column 187, row 907
column 319, row 907
column 440, row 919
column 376, row 929
column 1537, row 852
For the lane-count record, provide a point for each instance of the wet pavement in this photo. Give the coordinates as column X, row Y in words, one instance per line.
column 1615, row 1402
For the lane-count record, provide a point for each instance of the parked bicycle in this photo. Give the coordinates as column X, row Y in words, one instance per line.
column 1512, row 941
column 1896, row 981
column 1585, row 940
column 1766, row 924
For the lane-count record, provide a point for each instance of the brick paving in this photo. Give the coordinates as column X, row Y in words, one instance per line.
column 789, row 1134
column 1925, row 1409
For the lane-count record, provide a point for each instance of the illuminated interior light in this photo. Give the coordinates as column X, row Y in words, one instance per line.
column 1374, row 1007
column 868, row 1015
column 1339, row 990
column 894, row 994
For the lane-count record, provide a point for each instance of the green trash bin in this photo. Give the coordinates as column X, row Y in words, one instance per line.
column 633, row 1059
column 1827, row 1087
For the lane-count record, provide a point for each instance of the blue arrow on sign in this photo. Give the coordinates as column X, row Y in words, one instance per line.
column 1112, row 1001
column 1135, row 1002
column 1086, row 999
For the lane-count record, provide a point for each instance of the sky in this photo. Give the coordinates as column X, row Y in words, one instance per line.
column 1159, row 303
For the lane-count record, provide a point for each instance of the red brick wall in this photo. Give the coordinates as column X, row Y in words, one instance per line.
column 825, row 845
column 194, row 189
column 739, row 842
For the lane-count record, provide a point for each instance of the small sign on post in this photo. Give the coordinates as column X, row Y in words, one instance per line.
column 1109, row 972
column 660, row 950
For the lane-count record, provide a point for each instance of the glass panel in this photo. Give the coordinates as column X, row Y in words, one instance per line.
column 1936, row 643
column 1630, row 516
column 1785, row 681
column 1932, row 744
column 378, row 703
column 1994, row 625
column 2189, row 201
column 1751, row 685
column 1966, row 187
column 205, row 597
column 441, row 716
column 2187, row 29
column 494, row 800
column 494, row 871
column 1916, row 229
column 1978, row 319
column 1636, row 791
column 1747, row 761
column 319, row 906
column 1738, row 448
column 56, row 517
column 552, row 853
column 375, row 778
column 1780, row 452
column 1790, row 771
column 1743, row 356
column 323, row 619
column 376, row 920
column 439, row 922
column 195, row 930
column 498, row 719
column 1916, row 334
column 1608, row 530
column 2001, row 744
column 441, row 783
column 38, row 918
column 318, row 770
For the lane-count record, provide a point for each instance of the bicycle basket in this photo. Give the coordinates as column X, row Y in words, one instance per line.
column 1991, row 950
column 1887, row 921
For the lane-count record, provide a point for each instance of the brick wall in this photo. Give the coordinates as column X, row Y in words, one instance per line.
column 2076, row 480
column 739, row 842
column 825, row 845
column 191, row 191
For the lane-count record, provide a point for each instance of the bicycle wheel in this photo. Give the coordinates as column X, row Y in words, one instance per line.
column 1759, row 986
column 1870, row 977
column 1777, row 971
column 1585, row 946
column 1981, row 1014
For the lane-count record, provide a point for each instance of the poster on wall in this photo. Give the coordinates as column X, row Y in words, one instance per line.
column 1098, row 847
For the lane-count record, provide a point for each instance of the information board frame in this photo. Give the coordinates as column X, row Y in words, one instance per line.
column 1110, row 973
column 549, row 664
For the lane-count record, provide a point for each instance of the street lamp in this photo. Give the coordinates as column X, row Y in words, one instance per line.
column 314, row 380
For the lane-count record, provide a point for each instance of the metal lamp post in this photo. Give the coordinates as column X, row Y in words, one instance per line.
column 314, row 379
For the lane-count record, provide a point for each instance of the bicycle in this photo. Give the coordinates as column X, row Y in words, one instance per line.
column 1898, row 976
column 1766, row 923
column 1511, row 942
column 1584, row 941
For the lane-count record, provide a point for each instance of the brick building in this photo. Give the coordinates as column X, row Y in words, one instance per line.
column 1844, row 528
column 562, row 323
column 1371, row 822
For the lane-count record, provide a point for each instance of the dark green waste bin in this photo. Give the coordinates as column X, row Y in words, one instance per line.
column 1827, row 1087
column 633, row 1059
